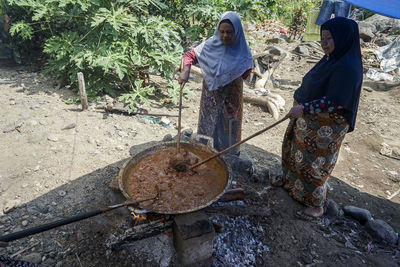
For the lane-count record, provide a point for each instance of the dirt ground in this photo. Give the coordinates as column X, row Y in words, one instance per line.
column 57, row 161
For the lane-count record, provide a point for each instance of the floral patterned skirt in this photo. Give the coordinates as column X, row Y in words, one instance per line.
column 221, row 110
column 309, row 152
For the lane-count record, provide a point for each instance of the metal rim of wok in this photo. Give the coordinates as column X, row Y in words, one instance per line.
column 122, row 176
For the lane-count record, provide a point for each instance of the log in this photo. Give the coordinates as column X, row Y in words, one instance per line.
column 272, row 108
column 196, row 70
column 82, row 91
column 140, row 232
column 239, row 210
column 256, row 101
column 124, row 110
column 232, row 194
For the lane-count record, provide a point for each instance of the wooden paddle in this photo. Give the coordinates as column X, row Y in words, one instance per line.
column 238, row 143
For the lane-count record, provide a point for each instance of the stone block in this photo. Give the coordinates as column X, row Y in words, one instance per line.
column 193, row 239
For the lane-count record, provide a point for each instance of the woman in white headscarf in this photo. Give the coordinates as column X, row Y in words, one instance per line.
column 225, row 60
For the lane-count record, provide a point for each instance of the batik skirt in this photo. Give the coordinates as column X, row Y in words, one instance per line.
column 221, row 113
column 309, row 152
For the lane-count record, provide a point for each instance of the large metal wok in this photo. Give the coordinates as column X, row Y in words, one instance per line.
column 123, row 179
column 223, row 179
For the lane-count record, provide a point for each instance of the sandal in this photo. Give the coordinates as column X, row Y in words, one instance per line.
column 302, row 215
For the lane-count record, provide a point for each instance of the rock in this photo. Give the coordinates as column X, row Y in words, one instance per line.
column 24, row 223
column 382, row 23
column 33, row 258
column 188, row 132
column 260, row 175
column 240, row 165
column 9, row 128
column 122, row 133
column 69, row 126
column 167, row 138
column 34, row 107
column 383, row 41
column 275, row 41
column 396, row 152
column 301, row 49
column 306, row 258
column 382, row 231
column 52, row 138
column 367, row 25
column 366, row 35
column 390, row 151
column 275, row 176
column 12, row 126
column 361, row 215
column 11, row 205
column 332, row 209
column 62, row 193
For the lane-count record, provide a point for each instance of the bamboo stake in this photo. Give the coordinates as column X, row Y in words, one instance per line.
column 82, row 91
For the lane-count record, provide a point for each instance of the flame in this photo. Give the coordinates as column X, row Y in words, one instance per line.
column 138, row 217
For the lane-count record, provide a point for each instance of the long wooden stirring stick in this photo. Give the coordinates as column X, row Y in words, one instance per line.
column 65, row 221
column 238, row 143
column 178, row 142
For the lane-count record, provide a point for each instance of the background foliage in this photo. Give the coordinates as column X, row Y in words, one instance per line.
column 117, row 44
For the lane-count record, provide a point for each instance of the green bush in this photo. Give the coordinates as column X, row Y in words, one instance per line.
column 114, row 43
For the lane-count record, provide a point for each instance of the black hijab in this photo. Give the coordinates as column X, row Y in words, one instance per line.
column 339, row 76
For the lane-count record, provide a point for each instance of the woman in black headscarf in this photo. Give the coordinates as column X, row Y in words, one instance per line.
column 325, row 110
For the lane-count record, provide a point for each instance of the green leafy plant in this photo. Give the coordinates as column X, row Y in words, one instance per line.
column 139, row 94
column 174, row 91
column 114, row 43
column 117, row 43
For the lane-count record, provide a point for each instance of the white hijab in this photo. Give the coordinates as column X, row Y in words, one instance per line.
column 222, row 64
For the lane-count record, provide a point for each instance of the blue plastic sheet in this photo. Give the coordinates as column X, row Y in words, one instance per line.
column 389, row 8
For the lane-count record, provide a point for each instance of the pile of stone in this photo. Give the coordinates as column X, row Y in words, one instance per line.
column 379, row 30
column 380, row 230
column 376, row 33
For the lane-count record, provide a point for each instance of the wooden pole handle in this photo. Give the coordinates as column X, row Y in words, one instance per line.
column 238, row 143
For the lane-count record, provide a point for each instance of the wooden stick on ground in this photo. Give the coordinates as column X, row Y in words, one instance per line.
column 394, row 194
column 24, row 249
column 82, row 91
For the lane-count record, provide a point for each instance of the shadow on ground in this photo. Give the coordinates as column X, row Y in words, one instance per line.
column 84, row 243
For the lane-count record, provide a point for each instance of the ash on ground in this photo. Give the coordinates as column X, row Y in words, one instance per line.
column 238, row 244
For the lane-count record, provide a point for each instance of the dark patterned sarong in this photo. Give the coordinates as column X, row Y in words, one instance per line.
column 219, row 109
column 309, row 152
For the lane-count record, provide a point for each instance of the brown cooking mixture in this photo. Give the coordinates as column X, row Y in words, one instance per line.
column 180, row 191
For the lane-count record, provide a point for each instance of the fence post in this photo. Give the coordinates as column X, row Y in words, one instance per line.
column 82, row 91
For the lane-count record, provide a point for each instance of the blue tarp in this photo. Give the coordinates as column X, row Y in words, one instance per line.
column 389, row 8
